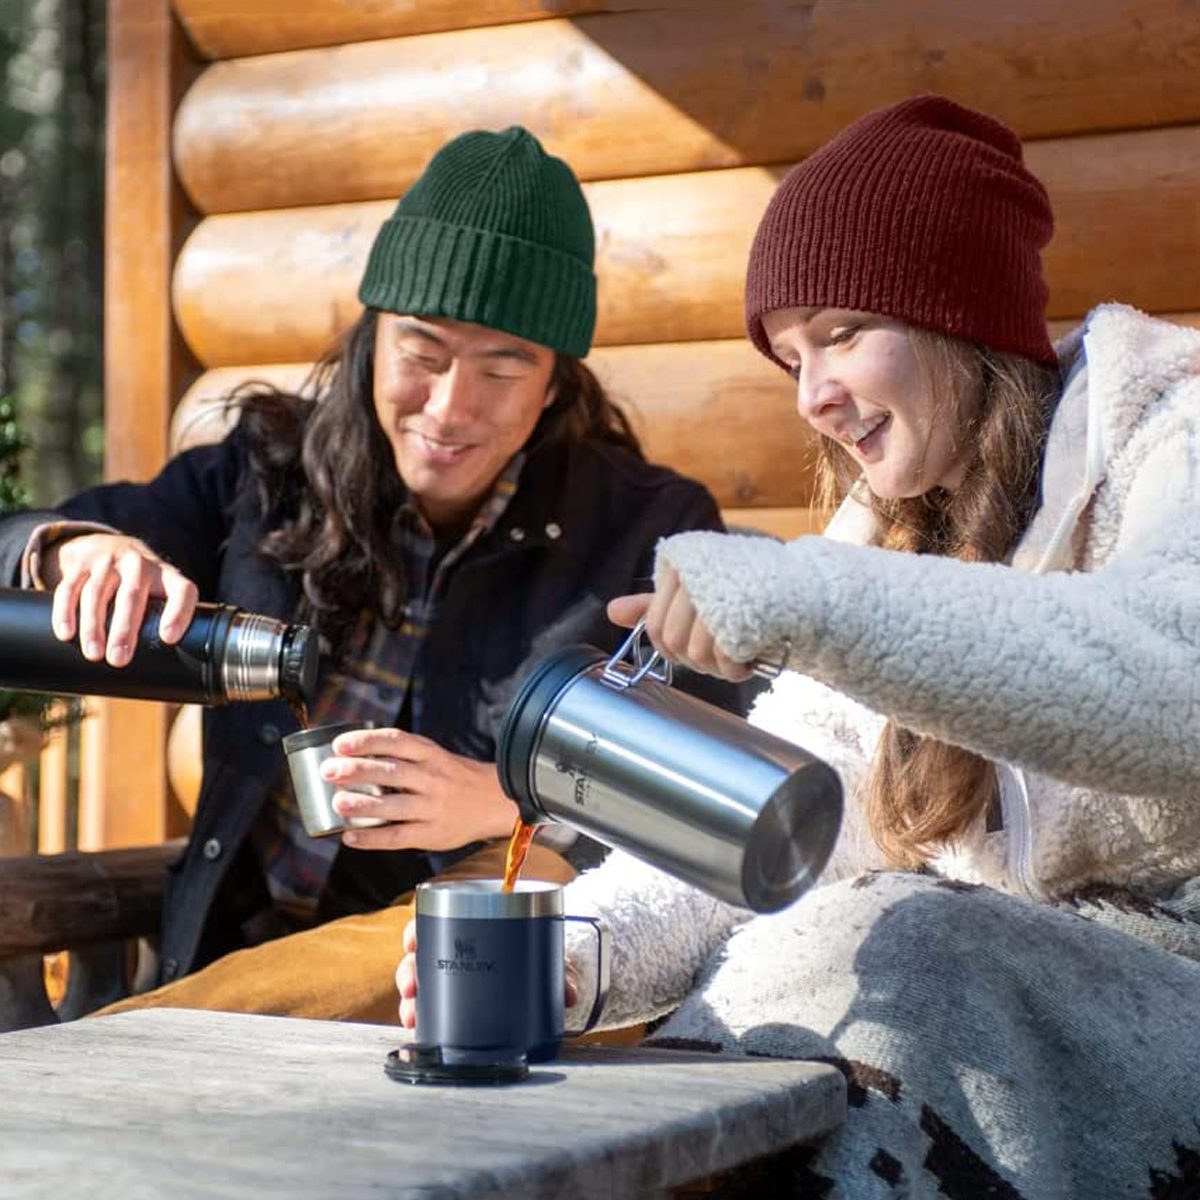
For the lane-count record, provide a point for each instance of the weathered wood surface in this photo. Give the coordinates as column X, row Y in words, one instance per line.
column 759, row 81
column 180, row 1103
column 58, row 901
column 145, row 363
column 278, row 286
column 228, row 28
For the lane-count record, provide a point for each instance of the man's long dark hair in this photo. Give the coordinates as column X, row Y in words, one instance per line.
column 326, row 476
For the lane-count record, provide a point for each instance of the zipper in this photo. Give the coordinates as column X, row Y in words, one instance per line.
column 1018, row 825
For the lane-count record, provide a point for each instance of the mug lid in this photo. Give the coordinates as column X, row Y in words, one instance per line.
column 482, row 898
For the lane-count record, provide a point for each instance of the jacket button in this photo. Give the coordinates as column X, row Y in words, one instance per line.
column 554, row 530
column 269, row 734
column 170, row 968
column 517, row 533
column 212, row 849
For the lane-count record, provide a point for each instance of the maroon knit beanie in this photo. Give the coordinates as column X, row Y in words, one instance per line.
column 922, row 211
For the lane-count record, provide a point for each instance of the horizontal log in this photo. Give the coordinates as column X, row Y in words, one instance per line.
column 59, row 901
column 279, row 286
column 760, row 81
column 783, row 523
column 717, row 411
column 228, row 28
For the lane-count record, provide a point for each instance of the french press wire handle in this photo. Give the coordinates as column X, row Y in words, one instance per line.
column 624, row 674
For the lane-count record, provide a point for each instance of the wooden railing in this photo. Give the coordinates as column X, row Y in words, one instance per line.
column 46, row 793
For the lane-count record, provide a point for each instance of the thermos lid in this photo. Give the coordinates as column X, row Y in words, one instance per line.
column 298, row 662
column 519, row 732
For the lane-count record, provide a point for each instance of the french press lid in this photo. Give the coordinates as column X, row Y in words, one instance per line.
column 523, row 721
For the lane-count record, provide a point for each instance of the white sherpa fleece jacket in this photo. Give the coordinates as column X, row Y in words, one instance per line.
column 1076, row 668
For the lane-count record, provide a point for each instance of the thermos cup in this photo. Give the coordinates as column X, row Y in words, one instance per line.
column 226, row 654
column 306, row 750
column 608, row 747
column 491, row 969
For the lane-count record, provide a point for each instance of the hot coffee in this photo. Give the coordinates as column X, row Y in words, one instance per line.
column 517, row 852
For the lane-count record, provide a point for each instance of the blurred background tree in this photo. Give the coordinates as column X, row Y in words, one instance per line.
column 51, row 228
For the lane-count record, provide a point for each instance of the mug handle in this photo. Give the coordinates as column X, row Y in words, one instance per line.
column 603, row 972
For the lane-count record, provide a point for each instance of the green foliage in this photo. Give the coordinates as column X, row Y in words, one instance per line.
column 13, row 498
column 13, row 441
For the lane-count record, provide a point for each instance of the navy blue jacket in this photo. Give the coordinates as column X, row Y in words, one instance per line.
column 580, row 529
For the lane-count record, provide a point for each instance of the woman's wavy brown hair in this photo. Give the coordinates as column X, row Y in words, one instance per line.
column 922, row 794
column 326, row 479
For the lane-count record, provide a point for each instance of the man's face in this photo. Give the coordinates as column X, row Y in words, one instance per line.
column 456, row 401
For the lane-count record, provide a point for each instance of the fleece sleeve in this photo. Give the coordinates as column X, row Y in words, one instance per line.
column 1092, row 678
column 663, row 931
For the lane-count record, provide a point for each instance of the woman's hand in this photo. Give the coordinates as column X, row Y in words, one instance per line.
column 102, row 582
column 433, row 799
column 676, row 630
column 406, row 979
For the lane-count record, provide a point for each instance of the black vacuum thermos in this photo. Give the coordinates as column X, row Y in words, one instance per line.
column 226, row 654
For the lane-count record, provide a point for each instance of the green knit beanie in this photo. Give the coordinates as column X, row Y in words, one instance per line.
column 495, row 232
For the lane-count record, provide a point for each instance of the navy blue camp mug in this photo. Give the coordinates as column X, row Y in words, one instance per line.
column 490, row 970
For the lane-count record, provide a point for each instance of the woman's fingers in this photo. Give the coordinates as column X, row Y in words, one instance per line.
column 728, row 668
column 627, row 611
column 570, row 984
column 660, row 603
column 406, row 977
column 678, row 625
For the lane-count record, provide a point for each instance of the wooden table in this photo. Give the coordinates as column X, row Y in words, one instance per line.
column 161, row 1102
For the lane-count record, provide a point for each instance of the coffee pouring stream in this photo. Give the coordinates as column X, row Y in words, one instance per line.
column 609, row 747
column 226, row 654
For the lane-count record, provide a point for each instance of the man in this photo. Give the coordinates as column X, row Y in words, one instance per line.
column 460, row 500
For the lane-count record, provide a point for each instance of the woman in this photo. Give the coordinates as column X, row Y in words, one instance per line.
column 996, row 645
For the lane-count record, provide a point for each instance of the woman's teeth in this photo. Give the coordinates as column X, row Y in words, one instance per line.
column 864, row 429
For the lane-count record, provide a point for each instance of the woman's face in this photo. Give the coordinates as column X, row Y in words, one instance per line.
column 859, row 382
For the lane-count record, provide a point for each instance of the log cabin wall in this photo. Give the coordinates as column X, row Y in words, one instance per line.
column 295, row 126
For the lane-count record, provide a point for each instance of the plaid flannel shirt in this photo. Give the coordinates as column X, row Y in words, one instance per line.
column 379, row 673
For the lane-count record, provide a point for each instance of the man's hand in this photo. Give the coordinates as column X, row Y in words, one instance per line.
column 102, row 582
column 676, row 630
column 434, row 799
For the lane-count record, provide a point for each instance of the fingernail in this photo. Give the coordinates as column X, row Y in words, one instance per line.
column 120, row 654
column 351, row 839
column 94, row 649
